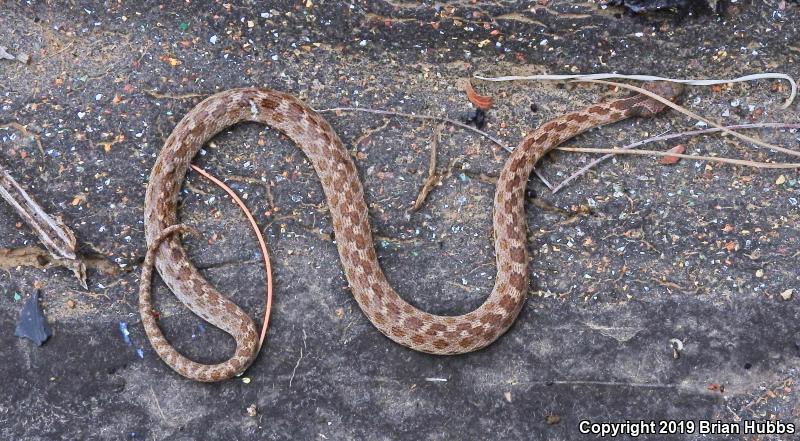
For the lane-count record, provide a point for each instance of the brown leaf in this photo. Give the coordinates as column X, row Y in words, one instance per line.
column 669, row 160
column 482, row 102
column 172, row 61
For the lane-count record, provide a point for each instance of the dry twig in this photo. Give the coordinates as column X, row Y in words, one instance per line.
column 433, row 177
column 416, row 116
column 680, row 155
column 691, row 114
column 56, row 237
column 159, row 95
column 435, row 118
column 595, row 162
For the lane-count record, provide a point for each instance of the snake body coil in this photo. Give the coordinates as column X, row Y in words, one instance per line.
column 393, row 316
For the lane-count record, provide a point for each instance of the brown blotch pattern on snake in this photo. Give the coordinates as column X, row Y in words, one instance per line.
column 413, row 328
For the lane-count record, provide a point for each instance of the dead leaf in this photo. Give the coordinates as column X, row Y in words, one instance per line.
column 482, row 102
column 172, row 61
column 669, row 160
column 77, row 200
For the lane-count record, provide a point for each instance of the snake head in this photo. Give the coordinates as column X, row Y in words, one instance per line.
column 646, row 106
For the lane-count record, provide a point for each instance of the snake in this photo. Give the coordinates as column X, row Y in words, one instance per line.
column 397, row 319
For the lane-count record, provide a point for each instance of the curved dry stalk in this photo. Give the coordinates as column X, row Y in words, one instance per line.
column 261, row 244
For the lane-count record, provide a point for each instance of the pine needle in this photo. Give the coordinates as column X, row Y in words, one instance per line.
column 261, row 243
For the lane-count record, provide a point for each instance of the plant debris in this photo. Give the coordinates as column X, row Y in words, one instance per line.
column 552, row 419
column 4, row 55
column 670, row 160
column 482, row 102
column 682, row 6
column 433, row 178
column 56, row 237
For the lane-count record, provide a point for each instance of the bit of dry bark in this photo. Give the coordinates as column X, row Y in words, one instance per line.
column 56, row 237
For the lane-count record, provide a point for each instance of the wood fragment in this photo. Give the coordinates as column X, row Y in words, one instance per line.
column 54, row 235
column 4, row 55
column 25, row 134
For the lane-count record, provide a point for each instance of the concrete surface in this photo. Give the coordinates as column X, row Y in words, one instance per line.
column 624, row 259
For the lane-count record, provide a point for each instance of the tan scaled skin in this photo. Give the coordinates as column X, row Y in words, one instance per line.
column 393, row 316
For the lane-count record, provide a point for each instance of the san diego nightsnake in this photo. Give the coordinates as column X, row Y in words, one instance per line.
column 393, row 316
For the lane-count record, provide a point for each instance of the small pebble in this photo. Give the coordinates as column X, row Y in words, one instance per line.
column 787, row 295
column 552, row 419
